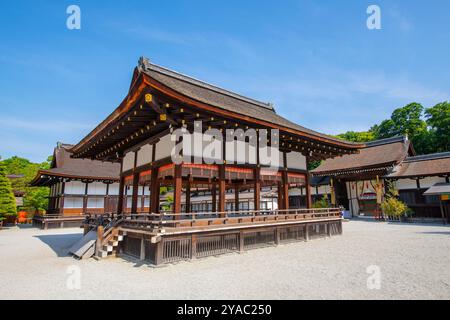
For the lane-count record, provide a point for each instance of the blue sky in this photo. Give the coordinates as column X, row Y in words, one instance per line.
column 315, row 60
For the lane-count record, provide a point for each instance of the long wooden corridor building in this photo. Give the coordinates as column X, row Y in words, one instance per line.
column 253, row 148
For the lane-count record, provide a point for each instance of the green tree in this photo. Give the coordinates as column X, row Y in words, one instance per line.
column 354, row 136
column 35, row 197
column 7, row 200
column 407, row 120
column 438, row 118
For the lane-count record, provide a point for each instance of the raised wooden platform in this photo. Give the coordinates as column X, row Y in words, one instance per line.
column 165, row 237
column 47, row 221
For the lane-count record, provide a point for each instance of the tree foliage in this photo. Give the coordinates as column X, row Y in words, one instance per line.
column 36, row 198
column 355, row 136
column 7, row 200
column 438, row 119
column 428, row 129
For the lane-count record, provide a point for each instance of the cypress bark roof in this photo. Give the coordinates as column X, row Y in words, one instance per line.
column 79, row 169
column 424, row 165
column 377, row 154
column 224, row 99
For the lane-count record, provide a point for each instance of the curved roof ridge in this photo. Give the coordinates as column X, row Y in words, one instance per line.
column 145, row 64
column 431, row 156
column 386, row 141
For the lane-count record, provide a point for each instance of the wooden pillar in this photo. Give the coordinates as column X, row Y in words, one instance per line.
column 214, row 196
column 222, row 190
column 121, row 189
column 154, row 192
column 85, row 197
column 188, row 195
column 143, row 197
column 257, row 189
column 308, row 192
column 134, row 196
column 61, row 202
column 236, row 197
column 280, row 195
column 177, row 191
column 105, row 201
column 285, row 190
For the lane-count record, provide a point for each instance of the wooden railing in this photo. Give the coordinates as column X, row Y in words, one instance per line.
column 182, row 220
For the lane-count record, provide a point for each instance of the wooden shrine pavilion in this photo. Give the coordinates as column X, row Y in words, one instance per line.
column 140, row 135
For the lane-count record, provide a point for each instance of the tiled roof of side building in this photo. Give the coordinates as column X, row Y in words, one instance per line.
column 376, row 154
column 423, row 165
column 65, row 166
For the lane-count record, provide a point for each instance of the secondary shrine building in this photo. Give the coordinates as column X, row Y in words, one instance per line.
column 77, row 186
column 186, row 138
column 360, row 181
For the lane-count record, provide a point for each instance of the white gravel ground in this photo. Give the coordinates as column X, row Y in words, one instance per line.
column 414, row 262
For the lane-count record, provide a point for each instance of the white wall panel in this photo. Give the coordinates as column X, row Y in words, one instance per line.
column 113, row 189
column 145, row 155
column 164, row 147
column 295, row 160
column 128, row 161
column 97, row 188
column 75, row 187
column 71, row 203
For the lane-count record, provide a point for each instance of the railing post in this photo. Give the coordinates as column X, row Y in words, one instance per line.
column 306, row 232
column 241, row 241
column 277, row 236
column 159, row 252
column 142, row 255
column 194, row 246
column 99, row 242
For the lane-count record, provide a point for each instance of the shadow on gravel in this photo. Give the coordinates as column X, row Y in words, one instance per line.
column 443, row 233
column 60, row 243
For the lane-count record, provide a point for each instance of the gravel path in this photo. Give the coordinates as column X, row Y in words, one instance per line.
column 413, row 260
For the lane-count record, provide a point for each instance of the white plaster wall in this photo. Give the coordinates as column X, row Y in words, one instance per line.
column 97, row 188
column 240, row 152
column 74, row 187
column 145, row 155
column 128, row 161
column 73, row 202
column 164, row 147
column 113, row 189
column 295, row 160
